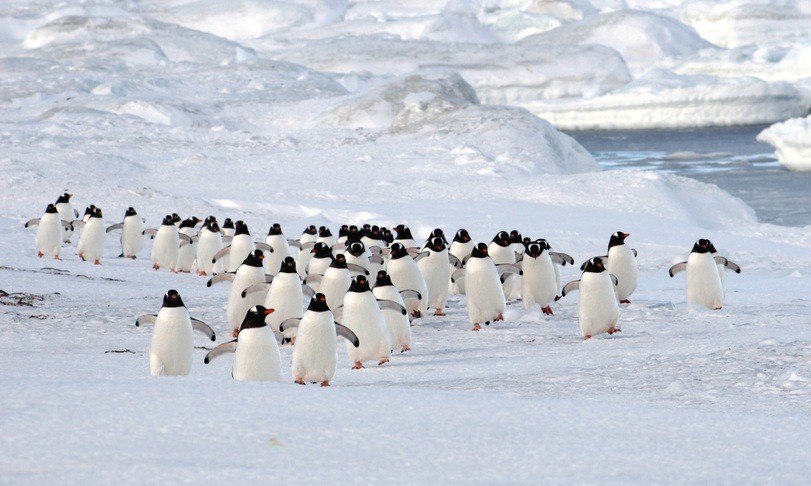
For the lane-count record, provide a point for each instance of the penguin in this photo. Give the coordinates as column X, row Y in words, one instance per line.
column 170, row 352
column 485, row 297
column 66, row 214
column 91, row 241
column 404, row 237
column 50, row 233
column 241, row 246
column 598, row 309
column 315, row 354
column 501, row 251
column 433, row 264
column 88, row 211
column 372, row 238
column 285, row 294
column 166, row 245
column 343, row 235
column 132, row 238
column 460, row 248
column 305, row 245
column 256, row 352
column 405, row 274
column 397, row 323
column 325, row 236
column 723, row 265
column 704, row 285
column 228, row 228
column 362, row 315
column 358, row 256
column 209, row 242
column 335, row 282
column 518, row 249
column 538, row 282
column 250, row 272
column 187, row 250
column 321, row 259
column 281, row 249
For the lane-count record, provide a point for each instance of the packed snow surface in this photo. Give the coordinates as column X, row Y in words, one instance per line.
column 422, row 113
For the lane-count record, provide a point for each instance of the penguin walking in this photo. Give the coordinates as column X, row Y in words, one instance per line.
column 326, row 237
column 170, row 351
column 91, row 241
column 335, row 281
column 305, row 245
column 209, row 242
column 251, row 272
column 622, row 264
column 433, row 264
column 362, row 315
column 704, row 285
column 132, row 238
column 485, row 297
column 256, row 352
column 285, row 294
column 321, row 260
column 501, row 251
column 67, row 214
column 281, row 249
column 538, row 282
column 50, row 233
column 461, row 247
column 187, row 249
column 397, row 322
column 598, row 309
column 357, row 254
column 166, row 245
column 405, row 274
column 241, row 246
column 315, row 355
column 405, row 238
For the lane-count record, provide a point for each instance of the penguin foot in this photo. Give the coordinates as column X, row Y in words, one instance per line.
column 201, row 273
column 613, row 330
column 382, row 361
column 81, row 255
column 155, row 266
column 439, row 312
column 587, row 337
column 547, row 310
column 557, row 298
column 97, row 262
column 499, row 317
column 477, row 327
column 236, row 332
column 300, row 381
column 625, row 301
column 325, row 383
column 416, row 314
column 57, row 257
column 405, row 348
column 358, row 365
column 292, row 341
column 40, row 254
column 132, row 257
column 717, row 308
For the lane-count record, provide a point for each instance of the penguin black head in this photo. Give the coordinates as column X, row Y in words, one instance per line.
column 176, row 218
column 702, row 246
column 130, row 212
column 479, row 251
column 462, row 236
column 617, row 239
column 536, row 248
column 255, row 317
column 403, row 232
column 321, row 250
column 438, row 233
column 172, row 299
column 595, row 265
column 515, row 237
column 167, row 220
column 254, row 258
column 354, row 234
column 324, row 232
column 227, row 224
column 437, row 243
column 288, row 265
column 276, row 229
column 208, row 220
column 51, row 209
column 96, row 213
column 89, row 210
column 241, row 228
column 356, row 248
column 310, row 230
column 386, row 235
column 383, row 279
column 189, row 222
column 398, row 251
column 339, row 261
column 343, row 230
column 64, row 198
column 712, row 248
column 318, row 303
column 502, row 239
column 360, row 284
column 213, row 226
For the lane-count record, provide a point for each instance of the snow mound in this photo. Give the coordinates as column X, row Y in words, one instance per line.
column 792, row 141
column 767, row 61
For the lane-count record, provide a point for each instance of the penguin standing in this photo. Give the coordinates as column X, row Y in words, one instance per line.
column 434, row 266
column 66, row 214
column 281, row 250
column 187, row 250
column 325, row 236
column 320, row 261
column 251, row 272
column 405, row 274
column 315, row 354
column 242, row 245
column 132, row 238
column 598, row 309
column 91, row 241
column 166, row 245
column 485, row 297
column 209, row 242
column 335, row 282
column 622, row 264
column 461, row 247
column 50, row 233
column 285, row 294
column 538, row 282
column 501, row 251
column 256, row 352
column 170, row 352
column 362, row 315
column 704, row 285
column 357, row 254
column 405, row 238
column 228, row 228
column 306, row 241
column 397, row 323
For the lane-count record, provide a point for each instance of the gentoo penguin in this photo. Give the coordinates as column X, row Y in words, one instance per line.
column 598, row 309
column 321, row 259
column 241, row 246
column 170, row 352
column 209, row 242
column 622, row 264
column 485, row 297
column 305, row 244
column 434, row 266
column 91, row 241
column 703, row 279
column 461, row 247
column 372, row 238
column 187, row 251
column 256, row 353
column 397, row 323
column 50, row 233
column 325, row 236
column 501, row 251
column 357, row 255
column 132, row 238
column 387, row 236
column 723, row 265
column 335, row 282
column 166, row 246
column 404, row 237
column 405, row 274
column 285, row 294
column 362, row 315
column 315, row 353
column 538, row 282
column 228, row 228
column 281, row 250
column 343, row 234
column 66, row 214
column 250, row 272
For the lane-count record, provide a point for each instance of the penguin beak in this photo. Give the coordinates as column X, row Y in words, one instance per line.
column 312, row 251
column 626, row 235
column 269, row 312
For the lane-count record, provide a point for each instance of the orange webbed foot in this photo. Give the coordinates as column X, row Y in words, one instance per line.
column 358, row 365
column 325, row 383
column 299, row 381
column 405, row 348
column 382, row 361
column 547, row 310
column 477, row 327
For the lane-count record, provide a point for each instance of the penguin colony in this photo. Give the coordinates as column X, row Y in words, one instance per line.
column 366, row 285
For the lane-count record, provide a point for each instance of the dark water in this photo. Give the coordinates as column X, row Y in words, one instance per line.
column 728, row 157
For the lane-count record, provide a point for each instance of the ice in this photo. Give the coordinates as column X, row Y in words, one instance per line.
column 791, row 141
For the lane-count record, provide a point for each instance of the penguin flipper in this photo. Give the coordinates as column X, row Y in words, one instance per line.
column 376, row 259
column 255, row 288
column 561, row 258
column 201, row 326
column 114, row 227
column 375, row 250
column 508, row 268
column 220, row 277
column 151, row 232
column 413, row 251
column 390, row 304
column 307, row 291
column 229, row 347
column 227, row 239
column 264, row 247
column 347, row 334
column 295, row 243
column 290, row 323
column 410, row 294
column 614, row 279
column 184, row 237
column 75, row 213
column 338, row 246
column 422, row 255
column 633, row 250
column 454, row 261
column 66, row 225
column 77, row 223
column 733, row 266
column 357, row 269
column 338, row 313
column 570, row 287
column 145, row 319
column 679, row 267
column 32, row 222
column 223, row 251
column 316, row 277
column 307, row 246
column 457, row 275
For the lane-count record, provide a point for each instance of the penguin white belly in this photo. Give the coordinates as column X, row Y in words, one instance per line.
column 91, row 242
column 515, row 294
column 257, row 356
column 315, row 354
column 406, row 275
column 241, row 246
column 334, row 284
column 363, row 317
column 622, row 264
column 538, row 284
column 460, row 251
column 318, row 266
column 287, row 299
column 304, row 255
column 361, row 261
column 165, row 248
column 187, row 253
column 398, row 325
column 485, row 297
column 170, row 351
column 703, row 281
column 65, row 211
column 237, row 307
column 281, row 250
column 208, row 245
column 501, row 255
column 132, row 239
column 598, row 309
column 436, row 272
column 49, row 236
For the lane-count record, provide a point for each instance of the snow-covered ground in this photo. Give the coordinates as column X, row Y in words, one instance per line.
column 421, row 113
column 792, row 142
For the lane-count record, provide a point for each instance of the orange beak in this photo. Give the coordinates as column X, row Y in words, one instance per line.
column 269, row 311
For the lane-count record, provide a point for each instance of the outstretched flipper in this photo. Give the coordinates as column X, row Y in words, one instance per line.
column 634, row 251
column 390, row 304
column 410, row 294
column 114, row 227
column 221, row 277
column 457, row 263
column 145, row 319
column 223, row 251
column 375, row 250
column 457, row 275
column 151, row 232
column 307, row 246
column 292, row 242
column 77, row 223
column 679, row 267
column 201, row 326
column 422, row 255
column 290, row 323
column 733, row 266
column 413, row 251
column 347, row 334
column 314, row 278
column 561, row 258
column 356, row 269
column 229, row 347
column 264, row 247
column 570, row 287
column 66, row 225
column 184, row 237
column 32, row 222
column 307, row 291
column 376, row 259
column 226, row 240
column 504, row 268
column 255, row 288
column 338, row 313
column 614, row 279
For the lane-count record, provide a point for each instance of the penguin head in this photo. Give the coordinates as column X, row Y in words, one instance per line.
column 288, row 265
column 360, row 284
column 398, row 251
column 324, row 232
column 189, row 222
column 617, row 239
column 515, row 237
column 89, row 210
column 356, row 248
column 354, row 234
column 702, row 246
column 176, row 218
column 96, row 213
column 479, row 251
column 310, row 230
column 240, row 228
column 167, row 220
column 172, row 299
column 383, row 279
column 254, row 258
column 51, row 209
column 536, row 248
column 208, row 220
column 321, row 250
column 403, row 232
column 386, row 235
column 339, row 261
column 318, row 303
column 437, row 233
column 213, row 226
column 595, row 265
column 255, row 317
column 130, row 212
column 712, row 248
column 462, row 236
column 227, row 223
column 64, row 198
column 436, row 243
column 276, row 229
column 502, row 239
column 343, row 230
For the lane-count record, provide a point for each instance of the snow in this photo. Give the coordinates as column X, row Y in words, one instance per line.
column 792, row 141
column 423, row 113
